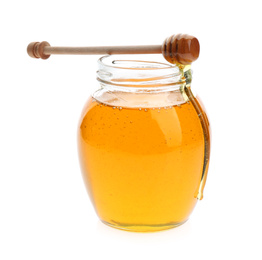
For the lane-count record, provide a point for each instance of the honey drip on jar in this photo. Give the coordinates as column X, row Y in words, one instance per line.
column 199, row 107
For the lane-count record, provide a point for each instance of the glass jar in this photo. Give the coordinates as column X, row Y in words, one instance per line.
column 144, row 144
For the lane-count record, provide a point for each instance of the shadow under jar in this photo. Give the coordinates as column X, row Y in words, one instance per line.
column 144, row 144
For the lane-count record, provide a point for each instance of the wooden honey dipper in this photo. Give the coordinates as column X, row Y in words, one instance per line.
column 177, row 49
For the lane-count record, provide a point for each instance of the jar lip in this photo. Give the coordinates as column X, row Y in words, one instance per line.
column 110, row 61
column 142, row 70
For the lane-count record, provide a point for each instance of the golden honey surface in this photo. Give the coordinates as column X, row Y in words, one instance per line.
column 142, row 166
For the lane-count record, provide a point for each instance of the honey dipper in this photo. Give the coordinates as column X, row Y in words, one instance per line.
column 180, row 48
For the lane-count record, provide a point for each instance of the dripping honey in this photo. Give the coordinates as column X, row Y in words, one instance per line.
column 142, row 165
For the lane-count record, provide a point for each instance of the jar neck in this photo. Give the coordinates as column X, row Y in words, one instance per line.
column 139, row 73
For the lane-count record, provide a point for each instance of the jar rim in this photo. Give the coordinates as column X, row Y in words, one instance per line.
column 155, row 65
column 138, row 71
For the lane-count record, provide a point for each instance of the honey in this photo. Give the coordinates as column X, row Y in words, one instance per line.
column 142, row 165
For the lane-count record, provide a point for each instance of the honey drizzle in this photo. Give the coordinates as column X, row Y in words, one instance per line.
column 186, row 72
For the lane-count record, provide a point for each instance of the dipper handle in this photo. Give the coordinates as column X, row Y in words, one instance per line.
column 181, row 48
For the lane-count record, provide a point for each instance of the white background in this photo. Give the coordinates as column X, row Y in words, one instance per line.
column 45, row 212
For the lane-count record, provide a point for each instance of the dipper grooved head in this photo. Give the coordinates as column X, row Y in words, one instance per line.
column 181, row 48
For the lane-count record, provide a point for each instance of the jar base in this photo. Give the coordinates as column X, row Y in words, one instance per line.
column 144, row 228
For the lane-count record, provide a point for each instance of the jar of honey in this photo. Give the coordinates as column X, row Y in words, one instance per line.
column 144, row 144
